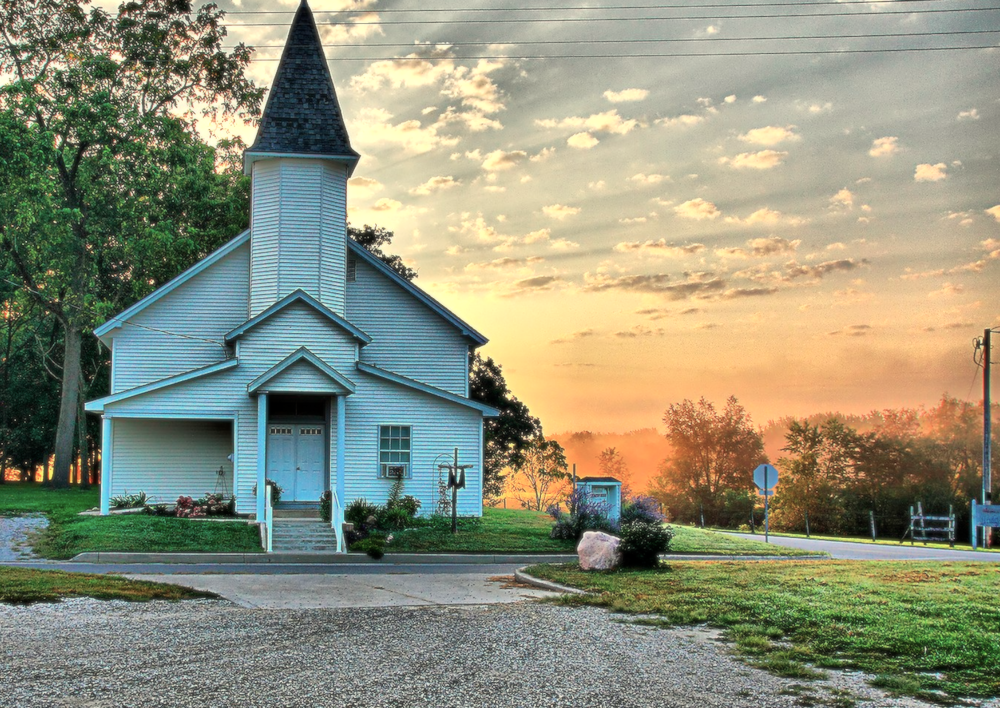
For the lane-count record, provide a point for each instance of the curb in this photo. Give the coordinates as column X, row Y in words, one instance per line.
column 522, row 577
column 318, row 558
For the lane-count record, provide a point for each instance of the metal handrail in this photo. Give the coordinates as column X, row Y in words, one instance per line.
column 268, row 518
column 337, row 520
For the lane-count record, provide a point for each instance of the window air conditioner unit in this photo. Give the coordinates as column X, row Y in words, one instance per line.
column 394, row 471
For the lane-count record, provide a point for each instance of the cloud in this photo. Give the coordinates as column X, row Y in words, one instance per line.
column 738, row 293
column 626, row 95
column 506, row 262
column 698, row 284
column 816, row 108
column 761, row 248
column 539, row 235
column 682, row 121
column 697, row 209
column 365, row 184
column 930, row 173
column 582, row 141
column 374, row 126
column 659, row 313
column 560, row 211
column 659, row 248
column 607, row 122
column 563, row 244
column 794, row 270
column 387, row 205
column 474, row 88
column 770, row 135
column 575, row 336
column 759, row 99
column 762, row 160
column 534, row 284
column 639, row 331
column 971, row 114
column 477, row 228
column 767, row 217
column 994, row 211
column 428, row 66
column 860, row 330
column 435, row 184
column 543, row 154
column 947, row 290
column 498, row 160
column 641, row 178
column 882, row 147
column 844, row 199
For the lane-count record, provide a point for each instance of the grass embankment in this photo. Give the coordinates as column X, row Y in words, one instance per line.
column 922, row 629
column 519, row 531
column 945, row 546
column 25, row 586
column 69, row 533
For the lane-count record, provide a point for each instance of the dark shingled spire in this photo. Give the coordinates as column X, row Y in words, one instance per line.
column 302, row 115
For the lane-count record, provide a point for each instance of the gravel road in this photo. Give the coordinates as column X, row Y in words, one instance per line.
column 91, row 653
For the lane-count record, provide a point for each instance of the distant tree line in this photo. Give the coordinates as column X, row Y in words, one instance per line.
column 836, row 470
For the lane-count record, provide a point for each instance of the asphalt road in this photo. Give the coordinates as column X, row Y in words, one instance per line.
column 847, row 550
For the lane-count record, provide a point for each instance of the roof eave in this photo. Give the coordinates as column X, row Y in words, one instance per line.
column 487, row 411
column 299, row 295
column 251, row 156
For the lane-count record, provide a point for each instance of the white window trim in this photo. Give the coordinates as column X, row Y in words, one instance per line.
column 378, row 457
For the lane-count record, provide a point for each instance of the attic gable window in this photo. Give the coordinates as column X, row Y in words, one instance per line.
column 394, row 451
column 352, row 269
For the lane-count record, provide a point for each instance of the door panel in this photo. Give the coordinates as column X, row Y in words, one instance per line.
column 281, row 457
column 296, row 460
column 310, row 459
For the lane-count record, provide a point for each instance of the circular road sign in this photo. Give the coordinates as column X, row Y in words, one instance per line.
column 771, row 473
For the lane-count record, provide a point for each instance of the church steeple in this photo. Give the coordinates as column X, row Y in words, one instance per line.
column 302, row 116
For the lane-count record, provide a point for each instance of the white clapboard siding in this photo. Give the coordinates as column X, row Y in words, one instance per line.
column 169, row 458
column 264, row 227
column 297, row 325
column 298, row 231
column 333, row 248
column 437, row 428
column 410, row 338
column 169, row 336
column 301, row 377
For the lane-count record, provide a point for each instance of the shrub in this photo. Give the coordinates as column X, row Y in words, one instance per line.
column 585, row 515
column 129, row 501
column 645, row 509
column 185, row 508
column 374, row 546
column 275, row 490
column 359, row 511
column 158, row 510
column 326, row 506
column 217, row 505
column 642, row 543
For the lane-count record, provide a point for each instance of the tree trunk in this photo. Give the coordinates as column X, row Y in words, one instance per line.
column 84, row 451
column 68, row 405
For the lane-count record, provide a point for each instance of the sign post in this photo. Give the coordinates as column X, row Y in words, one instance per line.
column 766, row 477
column 985, row 516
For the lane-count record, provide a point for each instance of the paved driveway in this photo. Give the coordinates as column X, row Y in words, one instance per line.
column 870, row 551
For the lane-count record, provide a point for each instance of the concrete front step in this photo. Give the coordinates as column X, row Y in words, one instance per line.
column 297, row 535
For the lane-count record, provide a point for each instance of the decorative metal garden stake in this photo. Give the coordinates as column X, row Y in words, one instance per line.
column 456, row 481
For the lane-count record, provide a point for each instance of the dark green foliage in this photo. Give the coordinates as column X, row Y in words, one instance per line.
column 373, row 238
column 584, row 514
column 326, row 506
column 642, row 542
column 275, row 490
column 645, row 509
column 359, row 511
column 374, row 546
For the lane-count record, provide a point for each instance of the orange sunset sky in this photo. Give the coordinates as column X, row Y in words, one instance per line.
column 807, row 231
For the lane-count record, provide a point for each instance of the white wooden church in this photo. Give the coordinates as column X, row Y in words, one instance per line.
column 291, row 353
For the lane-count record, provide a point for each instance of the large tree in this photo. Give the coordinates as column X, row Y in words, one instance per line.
column 507, row 437
column 711, row 467
column 101, row 120
column 373, row 238
column 541, row 479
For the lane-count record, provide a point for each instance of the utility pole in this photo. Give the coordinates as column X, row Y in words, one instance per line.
column 987, row 433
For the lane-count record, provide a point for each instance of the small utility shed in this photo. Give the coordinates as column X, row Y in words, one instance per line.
column 606, row 490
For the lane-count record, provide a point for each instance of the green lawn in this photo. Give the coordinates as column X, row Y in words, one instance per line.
column 69, row 533
column 519, row 531
column 918, row 628
column 23, row 586
column 959, row 545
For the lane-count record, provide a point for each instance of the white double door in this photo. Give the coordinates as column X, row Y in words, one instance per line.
column 296, row 460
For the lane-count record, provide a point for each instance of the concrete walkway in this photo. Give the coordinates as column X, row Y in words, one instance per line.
column 848, row 550
column 394, row 588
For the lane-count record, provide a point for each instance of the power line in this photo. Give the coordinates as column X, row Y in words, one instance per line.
column 642, row 41
column 657, row 55
column 553, row 8
column 533, row 20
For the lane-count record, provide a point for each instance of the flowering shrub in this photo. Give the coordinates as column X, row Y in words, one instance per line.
column 191, row 508
column 186, row 508
column 217, row 505
column 645, row 509
column 585, row 514
column 275, row 490
column 643, row 542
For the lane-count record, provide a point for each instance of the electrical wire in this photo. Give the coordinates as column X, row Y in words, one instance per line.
column 532, row 20
column 591, row 8
column 640, row 41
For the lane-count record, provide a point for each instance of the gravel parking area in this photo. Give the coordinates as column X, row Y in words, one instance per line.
column 101, row 654
column 14, row 532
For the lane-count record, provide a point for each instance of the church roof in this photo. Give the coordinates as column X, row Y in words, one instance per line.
column 302, row 116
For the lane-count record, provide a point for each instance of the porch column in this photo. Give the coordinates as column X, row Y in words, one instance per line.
column 341, row 434
column 105, row 465
column 261, row 454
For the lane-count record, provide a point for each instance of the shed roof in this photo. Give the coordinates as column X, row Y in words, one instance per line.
column 598, row 480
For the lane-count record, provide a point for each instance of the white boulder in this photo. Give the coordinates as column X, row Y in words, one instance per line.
column 599, row 551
